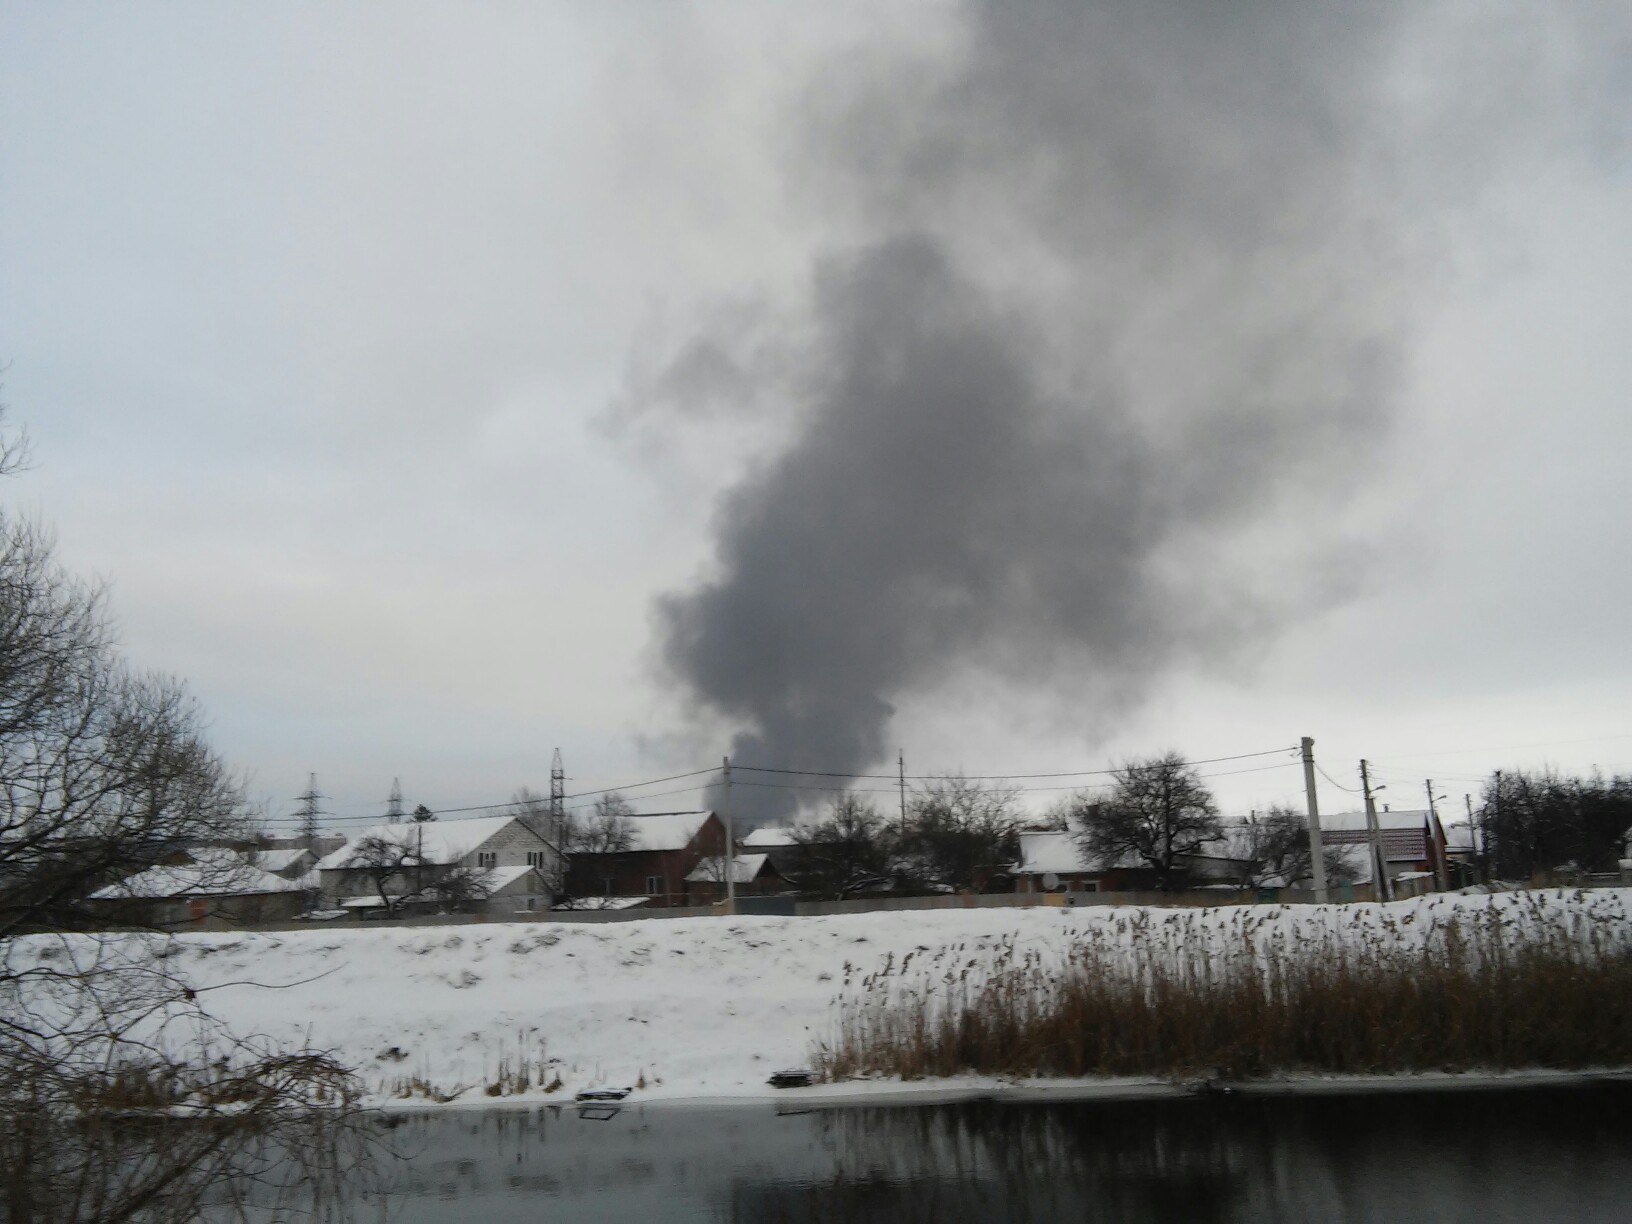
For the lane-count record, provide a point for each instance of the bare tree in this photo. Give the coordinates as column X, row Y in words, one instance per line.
column 388, row 863
column 1158, row 812
column 458, row 886
column 847, row 851
column 606, row 829
column 1273, row 848
column 105, row 773
column 960, row 834
column 1542, row 821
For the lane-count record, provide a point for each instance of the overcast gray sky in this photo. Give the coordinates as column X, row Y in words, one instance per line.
column 1022, row 387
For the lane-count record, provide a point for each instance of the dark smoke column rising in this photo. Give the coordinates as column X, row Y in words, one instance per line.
column 1102, row 281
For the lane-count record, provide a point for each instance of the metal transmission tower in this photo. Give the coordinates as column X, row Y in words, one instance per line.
column 558, row 792
column 393, row 805
column 309, row 813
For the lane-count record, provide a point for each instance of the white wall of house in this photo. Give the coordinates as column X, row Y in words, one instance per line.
column 513, row 845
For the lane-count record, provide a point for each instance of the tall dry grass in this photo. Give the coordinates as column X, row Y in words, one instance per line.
column 1519, row 981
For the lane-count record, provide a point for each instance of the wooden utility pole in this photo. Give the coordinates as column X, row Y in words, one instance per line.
column 1473, row 840
column 730, row 842
column 1442, row 873
column 901, row 774
column 1381, row 887
column 1317, row 859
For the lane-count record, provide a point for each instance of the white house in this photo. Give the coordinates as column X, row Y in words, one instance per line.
column 506, row 865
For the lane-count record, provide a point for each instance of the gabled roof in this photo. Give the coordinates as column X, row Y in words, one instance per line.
column 434, row 842
column 210, row 873
column 769, row 837
column 666, row 830
column 279, row 860
column 1042, row 853
column 745, row 868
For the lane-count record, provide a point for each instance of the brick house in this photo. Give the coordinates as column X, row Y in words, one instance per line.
column 517, row 869
column 664, row 848
column 1413, row 842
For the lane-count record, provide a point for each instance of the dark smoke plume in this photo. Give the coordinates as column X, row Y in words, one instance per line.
column 1111, row 293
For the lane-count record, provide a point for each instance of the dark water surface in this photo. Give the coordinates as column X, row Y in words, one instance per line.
column 1531, row 1155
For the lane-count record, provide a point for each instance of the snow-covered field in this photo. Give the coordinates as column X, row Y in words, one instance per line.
column 700, row 1007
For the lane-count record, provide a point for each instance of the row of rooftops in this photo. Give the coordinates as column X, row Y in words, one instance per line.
column 214, row 871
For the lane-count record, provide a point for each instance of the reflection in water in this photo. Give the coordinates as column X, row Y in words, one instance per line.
column 1512, row 1155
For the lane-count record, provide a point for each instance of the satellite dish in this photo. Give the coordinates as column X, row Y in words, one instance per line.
column 1050, row 881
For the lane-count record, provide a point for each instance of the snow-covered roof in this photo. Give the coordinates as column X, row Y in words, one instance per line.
column 744, row 868
column 279, row 860
column 665, row 830
column 498, row 878
column 1348, row 822
column 769, row 837
column 434, row 842
column 1041, row 853
column 210, row 873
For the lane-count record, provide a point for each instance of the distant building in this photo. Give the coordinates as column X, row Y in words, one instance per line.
column 203, row 884
column 752, row 875
column 292, row 862
column 780, row 844
column 1055, row 862
column 1413, row 842
column 664, row 848
column 508, row 867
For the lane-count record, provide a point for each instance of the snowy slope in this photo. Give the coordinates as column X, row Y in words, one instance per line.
column 699, row 1006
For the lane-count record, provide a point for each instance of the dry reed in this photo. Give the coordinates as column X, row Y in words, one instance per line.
column 1519, row 981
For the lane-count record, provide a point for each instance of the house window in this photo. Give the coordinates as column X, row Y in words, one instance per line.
column 654, row 884
column 535, row 858
column 487, row 858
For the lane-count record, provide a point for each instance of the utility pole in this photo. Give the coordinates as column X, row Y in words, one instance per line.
column 309, row 813
column 1442, row 873
column 1317, row 859
column 558, row 792
column 1381, row 888
column 1484, row 826
column 901, row 773
column 1473, row 840
column 730, row 842
column 393, row 805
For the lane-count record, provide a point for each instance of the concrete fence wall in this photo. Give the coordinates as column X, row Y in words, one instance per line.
column 788, row 907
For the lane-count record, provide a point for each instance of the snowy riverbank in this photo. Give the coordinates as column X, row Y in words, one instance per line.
column 702, row 1008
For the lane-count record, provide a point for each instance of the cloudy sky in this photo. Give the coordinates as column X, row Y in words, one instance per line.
column 1020, row 387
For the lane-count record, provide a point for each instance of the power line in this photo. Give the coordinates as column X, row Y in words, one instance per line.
column 1350, row 789
column 335, row 820
column 1003, row 777
column 364, row 819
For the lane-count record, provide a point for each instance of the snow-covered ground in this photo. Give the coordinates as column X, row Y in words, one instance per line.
column 700, row 1007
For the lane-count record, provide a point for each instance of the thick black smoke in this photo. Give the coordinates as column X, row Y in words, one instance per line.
column 1114, row 293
